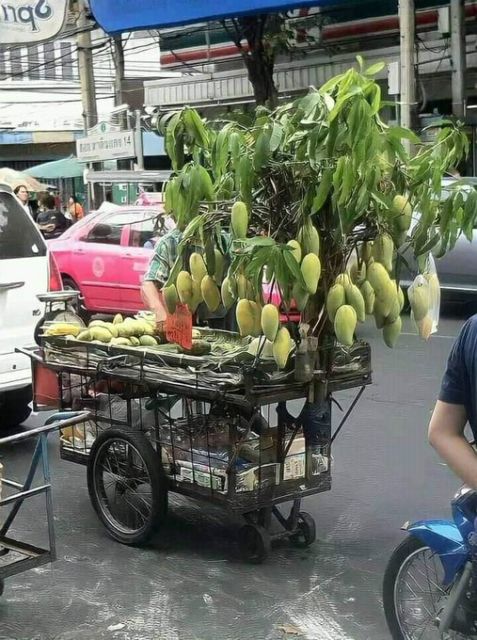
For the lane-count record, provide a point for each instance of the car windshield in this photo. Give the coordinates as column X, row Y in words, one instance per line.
column 19, row 237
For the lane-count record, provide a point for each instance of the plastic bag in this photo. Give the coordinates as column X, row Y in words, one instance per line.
column 425, row 298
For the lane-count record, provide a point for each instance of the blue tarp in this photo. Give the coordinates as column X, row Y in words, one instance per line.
column 125, row 15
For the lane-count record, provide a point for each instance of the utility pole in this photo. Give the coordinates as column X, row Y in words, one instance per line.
column 85, row 65
column 407, row 28
column 138, row 140
column 458, row 57
column 88, row 88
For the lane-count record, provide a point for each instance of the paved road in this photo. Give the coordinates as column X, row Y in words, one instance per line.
column 189, row 584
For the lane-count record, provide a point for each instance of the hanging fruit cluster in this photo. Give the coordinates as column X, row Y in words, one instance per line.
column 319, row 196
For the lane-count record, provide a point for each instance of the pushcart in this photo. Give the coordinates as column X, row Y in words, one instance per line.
column 17, row 556
column 158, row 425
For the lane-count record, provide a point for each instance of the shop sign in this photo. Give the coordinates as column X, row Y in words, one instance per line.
column 112, row 145
column 23, row 22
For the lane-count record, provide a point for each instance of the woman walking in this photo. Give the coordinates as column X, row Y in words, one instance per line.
column 75, row 209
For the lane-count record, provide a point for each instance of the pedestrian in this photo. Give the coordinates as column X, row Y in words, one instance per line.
column 457, row 405
column 160, row 265
column 50, row 221
column 75, row 209
column 22, row 193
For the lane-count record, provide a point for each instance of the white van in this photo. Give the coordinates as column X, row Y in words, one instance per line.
column 26, row 270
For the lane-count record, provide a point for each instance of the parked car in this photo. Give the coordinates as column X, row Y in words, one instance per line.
column 457, row 270
column 27, row 269
column 105, row 255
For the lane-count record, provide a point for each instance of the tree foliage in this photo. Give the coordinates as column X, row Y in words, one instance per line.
column 328, row 159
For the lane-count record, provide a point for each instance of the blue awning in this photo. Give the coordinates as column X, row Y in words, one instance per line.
column 124, row 15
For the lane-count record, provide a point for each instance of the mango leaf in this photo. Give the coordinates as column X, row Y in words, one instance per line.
column 347, row 182
column 262, row 151
column 470, row 213
column 429, row 245
column 176, row 268
column 401, row 133
column 293, row 267
column 447, row 209
column 220, row 152
column 195, row 127
column 245, row 175
column 323, row 190
column 375, row 68
column 331, row 84
column 376, row 99
column 454, row 233
column 210, row 255
column 276, row 137
column 258, row 241
column 341, row 102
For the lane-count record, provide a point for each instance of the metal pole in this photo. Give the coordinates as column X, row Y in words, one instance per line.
column 85, row 66
column 138, row 141
column 407, row 29
column 458, row 57
column 86, row 78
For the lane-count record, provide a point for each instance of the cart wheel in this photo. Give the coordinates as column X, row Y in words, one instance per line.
column 306, row 531
column 254, row 543
column 126, row 485
column 2, row 587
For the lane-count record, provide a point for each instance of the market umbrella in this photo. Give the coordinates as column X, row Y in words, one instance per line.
column 65, row 168
column 15, row 178
column 123, row 15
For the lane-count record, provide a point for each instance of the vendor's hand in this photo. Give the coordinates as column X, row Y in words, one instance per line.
column 160, row 325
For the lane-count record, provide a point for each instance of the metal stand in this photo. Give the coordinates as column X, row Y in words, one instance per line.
column 31, row 556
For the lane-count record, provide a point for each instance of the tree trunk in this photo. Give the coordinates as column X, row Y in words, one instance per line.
column 259, row 59
column 260, row 75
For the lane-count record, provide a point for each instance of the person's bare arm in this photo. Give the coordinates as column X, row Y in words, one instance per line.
column 446, row 435
column 152, row 297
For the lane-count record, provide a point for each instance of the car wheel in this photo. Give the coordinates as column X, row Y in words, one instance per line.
column 15, row 407
column 70, row 285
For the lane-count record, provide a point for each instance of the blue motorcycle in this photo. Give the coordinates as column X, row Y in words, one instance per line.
column 430, row 583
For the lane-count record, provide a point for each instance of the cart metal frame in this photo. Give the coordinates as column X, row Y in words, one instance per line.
column 258, row 506
column 32, row 556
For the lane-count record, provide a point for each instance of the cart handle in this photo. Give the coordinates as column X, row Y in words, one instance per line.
column 30, row 353
column 76, row 417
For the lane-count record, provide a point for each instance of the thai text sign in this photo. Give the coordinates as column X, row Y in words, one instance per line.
column 23, row 22
column 111, row 145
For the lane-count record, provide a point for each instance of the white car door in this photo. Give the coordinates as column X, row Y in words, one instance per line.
column 23, row 275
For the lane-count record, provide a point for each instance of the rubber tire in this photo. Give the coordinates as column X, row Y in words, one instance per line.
column 407, row 547
column 306, row 534
column 69, row 283
column 15, row 408
column 158, row 485
column 254, row 543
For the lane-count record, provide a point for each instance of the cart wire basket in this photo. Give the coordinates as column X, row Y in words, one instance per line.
column 151, row 431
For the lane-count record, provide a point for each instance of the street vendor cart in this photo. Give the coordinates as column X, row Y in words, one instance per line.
column 162, row 421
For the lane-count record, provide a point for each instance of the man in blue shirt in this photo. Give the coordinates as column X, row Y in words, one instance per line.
column 457, row 405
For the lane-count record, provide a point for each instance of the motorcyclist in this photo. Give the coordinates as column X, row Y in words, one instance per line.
column 457, row 405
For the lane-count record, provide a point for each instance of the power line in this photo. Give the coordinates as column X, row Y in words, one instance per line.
column 52, row 64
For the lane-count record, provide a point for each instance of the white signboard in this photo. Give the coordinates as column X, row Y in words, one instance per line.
column 112, row 145
column 26, row 22
column 103, row 127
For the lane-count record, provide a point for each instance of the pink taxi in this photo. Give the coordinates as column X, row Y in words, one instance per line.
column 105, row 255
